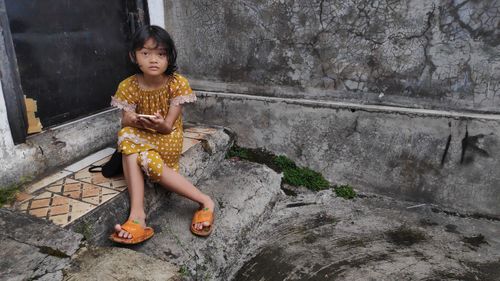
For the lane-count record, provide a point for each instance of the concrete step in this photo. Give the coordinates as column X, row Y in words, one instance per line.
column 245, row 194
column 199, row 162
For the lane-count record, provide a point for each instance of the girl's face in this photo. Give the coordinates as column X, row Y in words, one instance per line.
column 152, row 58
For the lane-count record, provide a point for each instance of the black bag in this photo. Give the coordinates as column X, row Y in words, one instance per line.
column 110, row 169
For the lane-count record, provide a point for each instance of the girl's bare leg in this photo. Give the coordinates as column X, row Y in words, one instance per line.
column 135, row 183
column 175, row 182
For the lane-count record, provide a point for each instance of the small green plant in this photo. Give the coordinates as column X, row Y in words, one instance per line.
column 184, row 271
column 305, row 177
column 237, row 151
column 284, row 163
column 300, row 176
column 8, row 193
column 293, row 175
column 345, row 191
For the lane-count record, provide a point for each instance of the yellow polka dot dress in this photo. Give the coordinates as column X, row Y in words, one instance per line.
column 153, row 149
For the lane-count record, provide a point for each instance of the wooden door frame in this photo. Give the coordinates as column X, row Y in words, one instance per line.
column 11, row 81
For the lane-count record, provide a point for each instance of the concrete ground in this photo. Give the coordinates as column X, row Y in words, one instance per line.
column 317, row 236
column 263, row 231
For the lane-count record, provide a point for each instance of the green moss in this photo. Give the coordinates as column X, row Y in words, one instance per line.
column 237, row 151
column 293, row 175
column 305, row 177
column 284, row 163
column 345, row 191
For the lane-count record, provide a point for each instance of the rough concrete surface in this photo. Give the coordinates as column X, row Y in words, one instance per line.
column 317, row 236
column 119, row 264
column 38, row 233
column 416, row 53
column 244, row 193
column 33, row 248
column 420, row 155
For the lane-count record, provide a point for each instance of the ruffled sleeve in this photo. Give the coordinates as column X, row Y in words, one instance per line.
column 180, row 91
column 125, row 97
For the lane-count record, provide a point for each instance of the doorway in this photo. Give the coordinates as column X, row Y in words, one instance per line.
column 72, row 54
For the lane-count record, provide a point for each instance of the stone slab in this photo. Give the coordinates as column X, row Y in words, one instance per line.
column 244, row 193
column 38, row 233
column 21, row 261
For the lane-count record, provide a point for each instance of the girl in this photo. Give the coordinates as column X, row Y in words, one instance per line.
column 151, row 135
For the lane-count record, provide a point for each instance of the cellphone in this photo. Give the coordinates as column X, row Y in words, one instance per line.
column 146, row 116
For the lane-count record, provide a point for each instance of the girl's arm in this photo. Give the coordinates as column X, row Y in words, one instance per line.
column 160, row 124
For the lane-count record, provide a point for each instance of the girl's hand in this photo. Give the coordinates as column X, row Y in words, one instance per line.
column 131, row 119
column 158, row 123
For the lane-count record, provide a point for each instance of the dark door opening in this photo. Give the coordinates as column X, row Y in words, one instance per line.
column 72, row 54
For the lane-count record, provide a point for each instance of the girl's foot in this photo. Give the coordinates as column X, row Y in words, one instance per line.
column 141, row 220
column 210, row 205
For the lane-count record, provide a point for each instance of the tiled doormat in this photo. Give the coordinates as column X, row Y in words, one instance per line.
column 70, row 197
column 72, row 192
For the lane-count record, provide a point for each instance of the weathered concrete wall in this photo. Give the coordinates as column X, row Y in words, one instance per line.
column 415, row 53
column 54, row 148
column 428, row 156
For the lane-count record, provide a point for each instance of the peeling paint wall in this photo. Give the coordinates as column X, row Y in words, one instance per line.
column 416, row 53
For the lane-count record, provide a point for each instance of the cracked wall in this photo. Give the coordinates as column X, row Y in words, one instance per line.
column 438, row 158
column 414, row 53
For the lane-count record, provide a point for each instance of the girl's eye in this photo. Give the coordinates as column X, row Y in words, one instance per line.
column 145, row 53
column 162, row 54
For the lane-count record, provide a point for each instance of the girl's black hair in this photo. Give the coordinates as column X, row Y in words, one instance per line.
column 161, row 37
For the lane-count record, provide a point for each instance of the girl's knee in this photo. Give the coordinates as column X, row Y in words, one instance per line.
column 152, row 164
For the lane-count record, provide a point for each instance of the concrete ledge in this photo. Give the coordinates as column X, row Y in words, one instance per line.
column 198, row 162
column 60, row 146
column 447, row 158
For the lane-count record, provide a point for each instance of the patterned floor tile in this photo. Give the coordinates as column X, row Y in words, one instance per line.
column 117, row 183
column 83, row 191
column 59, row 209
column 46, row 181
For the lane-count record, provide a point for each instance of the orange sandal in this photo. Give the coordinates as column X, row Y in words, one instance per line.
column 139, row 234
column 203, row 215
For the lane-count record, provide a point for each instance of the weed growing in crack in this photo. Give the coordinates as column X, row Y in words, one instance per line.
column 184, row 271
column 345, row 191
column 292, row 174
column 8, row 193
